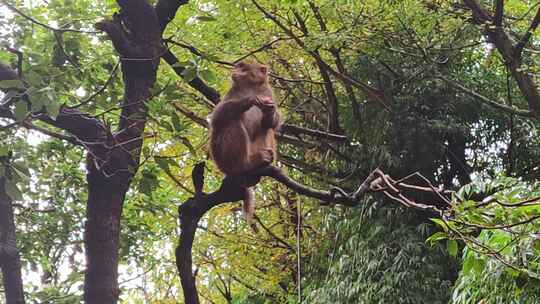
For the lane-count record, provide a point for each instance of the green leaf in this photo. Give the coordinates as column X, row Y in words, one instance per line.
column 167, row 126
column 11, row 84
column 177, row 124
column 437, row 236
column 156, row 90
column 189, row 73
column 4, row 151
column 208, row 75
column 21, row 169
column 479, row 265
column 440, row 223
column 12, row 191
column 452, row 247
column 163, row 163
column 182, row 64
column 37, row 103
column 188, row 144
column 468, row 264
column 148, row 183
column 53, row 109
column 536, row 246
column 33, row 78
column 21, row 110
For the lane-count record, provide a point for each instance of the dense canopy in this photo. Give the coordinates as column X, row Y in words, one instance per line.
column 408, row 167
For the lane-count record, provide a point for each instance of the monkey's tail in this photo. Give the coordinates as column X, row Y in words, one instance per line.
column 248, row 209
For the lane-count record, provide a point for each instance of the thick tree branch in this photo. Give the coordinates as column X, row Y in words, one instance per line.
column 196, row 83
column 479, row 14
column 166, row 10
column 82, row 126
column 69, row 139
column 527, row 36
column 510, row 54
column 499, row 12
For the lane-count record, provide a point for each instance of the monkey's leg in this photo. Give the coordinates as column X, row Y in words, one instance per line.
column 232, row 149
column 260, row 154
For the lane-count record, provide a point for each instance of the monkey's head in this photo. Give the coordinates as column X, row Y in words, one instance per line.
column 251, row 73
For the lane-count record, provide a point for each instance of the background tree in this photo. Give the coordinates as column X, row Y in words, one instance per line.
column 445, row 89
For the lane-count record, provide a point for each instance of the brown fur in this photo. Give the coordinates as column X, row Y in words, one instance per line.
column 242, row 134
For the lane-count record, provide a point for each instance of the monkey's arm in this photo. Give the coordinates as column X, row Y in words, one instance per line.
column 271, row 119
column 228, row 111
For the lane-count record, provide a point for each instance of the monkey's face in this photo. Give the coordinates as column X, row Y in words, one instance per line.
column 251, row 73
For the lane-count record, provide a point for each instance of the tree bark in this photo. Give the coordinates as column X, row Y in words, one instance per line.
column 102, row 234
column 10, row 261
column 113, row 159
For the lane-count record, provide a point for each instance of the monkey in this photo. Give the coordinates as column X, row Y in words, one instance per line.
column 243, row 126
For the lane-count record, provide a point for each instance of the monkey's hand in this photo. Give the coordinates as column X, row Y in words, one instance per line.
column 265, row 103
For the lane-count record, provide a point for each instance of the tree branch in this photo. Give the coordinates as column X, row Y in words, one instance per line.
column 510, row 54
column 191, row 211
column 166, row 10
column 500, row 106
column 196, row 83
column 81, row 125
column 499, row 12
column 69, row 139
column 527, row 36
column 296, row 130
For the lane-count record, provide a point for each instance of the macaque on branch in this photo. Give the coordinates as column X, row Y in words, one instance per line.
column 243, row 124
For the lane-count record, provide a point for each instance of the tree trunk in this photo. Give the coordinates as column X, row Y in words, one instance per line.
column 102, row 235
column 184, row 263
column 112, row 162
column 10, row 261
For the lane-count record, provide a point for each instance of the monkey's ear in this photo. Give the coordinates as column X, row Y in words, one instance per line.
column 264, row 69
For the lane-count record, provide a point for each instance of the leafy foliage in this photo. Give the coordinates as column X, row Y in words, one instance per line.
column 414, row 52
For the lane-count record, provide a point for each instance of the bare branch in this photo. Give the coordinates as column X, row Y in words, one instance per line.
column 484, row 99
column 69, row 139
column 499, row 12
column 479, row 14
column 166, row 10
column 295, row 130
column 527, row 36
column 101, row 90
column 196, row 83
